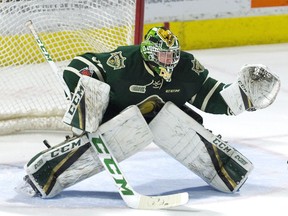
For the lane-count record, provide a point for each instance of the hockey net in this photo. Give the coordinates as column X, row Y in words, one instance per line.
column 31, row 96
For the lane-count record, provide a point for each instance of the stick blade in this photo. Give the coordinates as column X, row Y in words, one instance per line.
column 156, row 202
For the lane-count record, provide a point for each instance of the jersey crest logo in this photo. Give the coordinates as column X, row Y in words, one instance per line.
column 197, row 67
column 116, row 60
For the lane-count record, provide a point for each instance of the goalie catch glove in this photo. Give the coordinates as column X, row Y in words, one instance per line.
column 256, row 88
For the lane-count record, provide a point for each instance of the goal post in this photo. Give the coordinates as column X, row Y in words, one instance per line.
column 31, row 97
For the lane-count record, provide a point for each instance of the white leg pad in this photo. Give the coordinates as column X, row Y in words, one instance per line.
column 59, row 167
column 206, row 155
column 127, row 133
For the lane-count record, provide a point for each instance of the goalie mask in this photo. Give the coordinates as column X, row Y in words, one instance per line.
column 161, row 49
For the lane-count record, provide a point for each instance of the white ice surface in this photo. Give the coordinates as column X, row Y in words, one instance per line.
column 262, row 136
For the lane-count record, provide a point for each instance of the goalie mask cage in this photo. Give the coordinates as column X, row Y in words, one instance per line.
column 31, row 96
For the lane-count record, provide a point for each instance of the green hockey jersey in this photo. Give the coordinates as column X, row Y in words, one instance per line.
column 132, row 82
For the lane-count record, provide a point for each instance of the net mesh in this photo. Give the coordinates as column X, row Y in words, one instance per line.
column 31, row 95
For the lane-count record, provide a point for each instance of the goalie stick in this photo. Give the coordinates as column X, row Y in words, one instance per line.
column 48, row 58
column 130, row 197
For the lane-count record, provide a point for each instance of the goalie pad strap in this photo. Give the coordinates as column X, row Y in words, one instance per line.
column 205, row 154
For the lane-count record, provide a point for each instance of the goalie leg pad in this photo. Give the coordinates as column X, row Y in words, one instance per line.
column 74, row 160
column 61, row 166
column 206, row 155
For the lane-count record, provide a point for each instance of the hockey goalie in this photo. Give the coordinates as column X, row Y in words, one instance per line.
column 138, row 94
